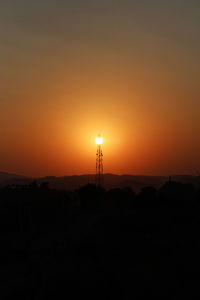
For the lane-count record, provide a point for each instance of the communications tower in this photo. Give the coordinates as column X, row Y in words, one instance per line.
column 99, row 161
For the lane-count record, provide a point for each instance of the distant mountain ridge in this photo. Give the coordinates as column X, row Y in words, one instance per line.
column 136, row 182
column 6, row 176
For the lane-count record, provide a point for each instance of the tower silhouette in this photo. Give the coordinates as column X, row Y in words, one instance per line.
column 99, row 161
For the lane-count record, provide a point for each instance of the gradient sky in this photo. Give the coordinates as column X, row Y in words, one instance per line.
column 127, row 69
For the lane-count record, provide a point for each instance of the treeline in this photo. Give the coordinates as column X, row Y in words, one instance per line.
column 99, row 243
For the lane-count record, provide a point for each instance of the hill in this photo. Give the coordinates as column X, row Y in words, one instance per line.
column 136, row 182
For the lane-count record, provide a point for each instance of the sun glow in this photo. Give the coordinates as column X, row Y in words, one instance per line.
column 99, row 140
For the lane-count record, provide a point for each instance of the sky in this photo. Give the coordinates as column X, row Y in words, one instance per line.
column 128, row 70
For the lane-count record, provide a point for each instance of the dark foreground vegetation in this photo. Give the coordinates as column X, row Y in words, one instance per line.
column 99, row 244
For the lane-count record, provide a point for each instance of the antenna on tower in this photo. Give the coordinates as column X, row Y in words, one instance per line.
column 99, row 161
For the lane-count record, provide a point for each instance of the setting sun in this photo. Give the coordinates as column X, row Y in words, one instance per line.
column 99, row 140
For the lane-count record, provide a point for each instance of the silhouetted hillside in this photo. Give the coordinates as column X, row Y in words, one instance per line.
column 110, row 181
column 8, row 176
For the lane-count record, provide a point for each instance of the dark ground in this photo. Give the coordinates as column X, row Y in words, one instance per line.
column 100, row 244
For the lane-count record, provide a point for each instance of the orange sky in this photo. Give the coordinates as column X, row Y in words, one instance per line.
column 127, row 71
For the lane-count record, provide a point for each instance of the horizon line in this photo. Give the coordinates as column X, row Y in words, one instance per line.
column 93, row 174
